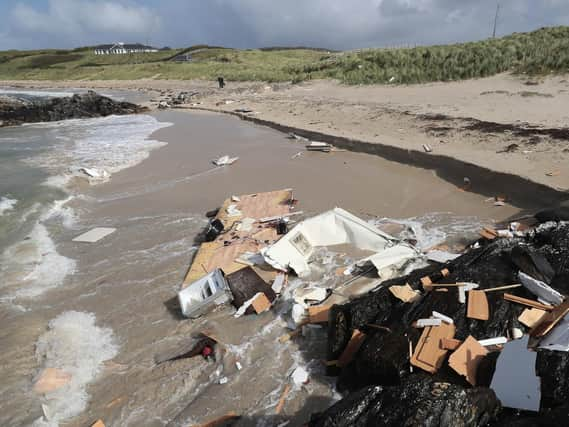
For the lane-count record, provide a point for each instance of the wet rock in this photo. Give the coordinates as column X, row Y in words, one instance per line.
column 419, row 401
column 383, row 358
column 90, row 104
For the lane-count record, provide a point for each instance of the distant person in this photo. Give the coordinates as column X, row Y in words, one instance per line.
column 221, row 82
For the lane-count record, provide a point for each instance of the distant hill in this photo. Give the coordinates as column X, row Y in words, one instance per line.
column 538, row 52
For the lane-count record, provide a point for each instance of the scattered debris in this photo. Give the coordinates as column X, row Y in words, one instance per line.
column 300, row 376
column 531, row 317
column 202, row 295
column 477, row 305
column 225, row 160
column 544, row 292
column 352, row 348
column 550, row 320
column 200, row 344
column 245, row 286
column 333, row 228
column 98, row 423
column 94, row 235
column 466, row 358
column 282, row 399
column 405, row 293
column 224, row 420
column 319, row 146
column 429, row 354
column 427, row 148
column 51, row 379
column 514, row 381
column 528, row 302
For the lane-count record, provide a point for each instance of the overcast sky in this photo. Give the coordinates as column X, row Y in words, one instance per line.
column 334, row 24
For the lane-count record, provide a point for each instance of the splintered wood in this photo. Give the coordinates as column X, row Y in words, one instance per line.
column 550, row 320
column 429, row 353
column 219, row 253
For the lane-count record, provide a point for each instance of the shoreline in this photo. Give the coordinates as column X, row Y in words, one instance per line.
column 506, row 137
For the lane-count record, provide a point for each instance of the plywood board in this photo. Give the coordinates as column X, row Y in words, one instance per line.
column 51, row 379
column 466, row 358
column 261, row 303
column 477, row 306
column 531, row 317
column 429, row 353
column 94, row 235
column 219, row 254
column 405, row 293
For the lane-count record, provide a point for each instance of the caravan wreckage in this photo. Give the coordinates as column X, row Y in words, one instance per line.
column 483, row 332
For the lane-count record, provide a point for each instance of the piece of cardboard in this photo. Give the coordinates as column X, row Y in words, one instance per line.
column 466, row 358
column 51, row 379
column 550, row 320
column 261, row 303
column 352, row 348
column 477, row 305
column 429, row 353
column 405, row 293
column 318, row 313
column 531, row 317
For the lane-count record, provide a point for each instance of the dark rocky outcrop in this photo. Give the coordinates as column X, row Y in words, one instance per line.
column 18, row 111
column 380, row 370
column 418, row 401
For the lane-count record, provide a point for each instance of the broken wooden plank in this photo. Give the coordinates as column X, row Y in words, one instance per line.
column 352, row 348
column 502, row 288
column 466, row 358
column 528, row 302
column 405, row 293
column 318, row 313
column 531, row 317
column 282, row 399
column 94, row 235
column 550, row 320
column 429, row 354
column 477, row 306
column 261, row 303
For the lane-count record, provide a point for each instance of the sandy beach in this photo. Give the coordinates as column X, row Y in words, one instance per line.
column 129, row 280
column 508, row 124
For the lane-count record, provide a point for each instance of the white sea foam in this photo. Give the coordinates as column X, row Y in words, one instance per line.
column 108, row 144
column 38, row 93
column 76, row 345
column 33, row 265
column 6, row 204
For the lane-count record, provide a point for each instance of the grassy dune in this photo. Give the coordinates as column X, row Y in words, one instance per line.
column 539, row 52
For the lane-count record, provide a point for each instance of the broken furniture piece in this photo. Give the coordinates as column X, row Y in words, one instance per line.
column 466, row 358
column 429, row 353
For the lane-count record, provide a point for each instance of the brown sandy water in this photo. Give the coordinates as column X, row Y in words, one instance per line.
column 129, row 280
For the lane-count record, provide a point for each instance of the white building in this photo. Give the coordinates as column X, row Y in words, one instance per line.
column 123, row 49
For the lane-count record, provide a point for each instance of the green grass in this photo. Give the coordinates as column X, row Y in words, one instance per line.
column 536, row 53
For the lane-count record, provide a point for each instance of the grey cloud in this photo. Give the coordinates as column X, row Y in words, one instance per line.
column 336, row 24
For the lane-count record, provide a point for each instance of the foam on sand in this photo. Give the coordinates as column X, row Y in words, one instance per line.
column 78, row 347
column 6, row 204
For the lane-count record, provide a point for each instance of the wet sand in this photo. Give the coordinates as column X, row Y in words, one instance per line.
column 130, row 279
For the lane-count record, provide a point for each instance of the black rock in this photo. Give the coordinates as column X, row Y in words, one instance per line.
column 418, row 401
column 90, row 104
